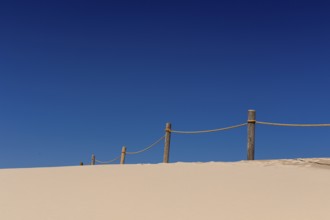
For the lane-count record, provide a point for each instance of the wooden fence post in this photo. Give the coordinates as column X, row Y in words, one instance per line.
column 123, row 155
column 251, row 134
column 93, row 159
column 167, row 143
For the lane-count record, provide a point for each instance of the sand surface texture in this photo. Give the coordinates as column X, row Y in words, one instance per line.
column 278, row 189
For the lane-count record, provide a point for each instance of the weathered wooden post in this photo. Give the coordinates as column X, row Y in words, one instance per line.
column 251, row 134
column 93, row 159
column 123, row 155
column 167, row 143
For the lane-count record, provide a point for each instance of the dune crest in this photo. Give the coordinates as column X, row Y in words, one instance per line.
column 269, row 189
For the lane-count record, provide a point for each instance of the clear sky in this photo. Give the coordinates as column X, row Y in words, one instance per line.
column 83, row 77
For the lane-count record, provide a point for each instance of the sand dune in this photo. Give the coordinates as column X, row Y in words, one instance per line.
column 265, row 190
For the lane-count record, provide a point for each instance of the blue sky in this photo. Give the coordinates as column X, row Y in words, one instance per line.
column 83, row 77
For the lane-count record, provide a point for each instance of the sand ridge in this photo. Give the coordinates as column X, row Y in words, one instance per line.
column 265, row 189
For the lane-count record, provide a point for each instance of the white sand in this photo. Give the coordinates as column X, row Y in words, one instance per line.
column 265, row 190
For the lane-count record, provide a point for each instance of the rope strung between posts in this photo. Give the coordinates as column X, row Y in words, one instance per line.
column 109, row 161
column 147, row 148
column 292, row 125
column 208, row 131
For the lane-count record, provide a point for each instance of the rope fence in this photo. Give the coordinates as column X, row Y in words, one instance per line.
column 251, row 124
column 147, row 148
column 124, row 153
column 109, row 161
column 292, row 125
column 209, row 131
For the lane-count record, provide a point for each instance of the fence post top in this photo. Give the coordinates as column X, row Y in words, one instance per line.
column 251, row 110
column 168, row 127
